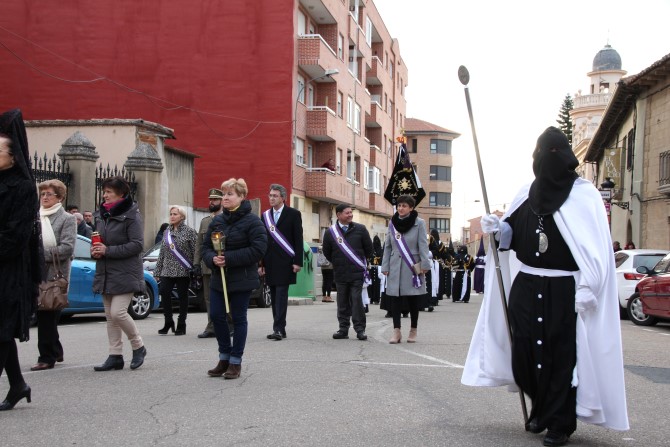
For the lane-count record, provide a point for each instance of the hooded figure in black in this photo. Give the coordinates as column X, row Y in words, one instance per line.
column 375, row 262
column 21, row 262
column 463, row 266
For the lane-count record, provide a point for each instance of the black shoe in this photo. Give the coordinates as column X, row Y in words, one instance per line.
column 138, row 357
column 14, row 396
column 276, row 335
column 206, row 334
column 112, row 362
column 430, row 308
column 181, row 329
column 388, row 315
column 554, row 438
column 361, row 335
column 283, row 335
column 534, row 427
column 169, row 324
column 367, row 308
column 339, row 335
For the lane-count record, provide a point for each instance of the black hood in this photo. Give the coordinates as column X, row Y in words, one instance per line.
column 11, row 124
column 554, row 166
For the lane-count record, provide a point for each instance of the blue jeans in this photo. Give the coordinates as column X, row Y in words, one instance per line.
column 239, row 303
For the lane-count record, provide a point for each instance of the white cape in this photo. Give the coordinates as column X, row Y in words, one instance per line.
column 601, row 395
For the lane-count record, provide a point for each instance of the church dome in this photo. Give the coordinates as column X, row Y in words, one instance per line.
column 607, row 59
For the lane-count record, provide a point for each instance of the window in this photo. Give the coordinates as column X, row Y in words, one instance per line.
column 357, row 119
column 413, row 147
column 299, row 151
column 301, row 89
column 339, row 104
column 441, row 225
column 391, row 69
column 440, row 147
column 302, row 23
column 374, row 180
column 440, row 199
column 340, row 47
column 310, row 156
column 350, row 111
column 440, row 173
column 338, row 161
column 366, row 174
column 629, row 145
column 351, row 168
column 310, row 95
column 368, row 31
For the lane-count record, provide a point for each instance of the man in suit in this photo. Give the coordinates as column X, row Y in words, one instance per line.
column 215, row 198
column 283, row 258
column 347, row 245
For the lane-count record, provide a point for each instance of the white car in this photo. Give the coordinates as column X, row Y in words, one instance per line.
column 627, row 277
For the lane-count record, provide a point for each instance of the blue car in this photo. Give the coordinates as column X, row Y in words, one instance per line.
column 81, row 297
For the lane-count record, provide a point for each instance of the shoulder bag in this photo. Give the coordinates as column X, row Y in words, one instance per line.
column 53, row 292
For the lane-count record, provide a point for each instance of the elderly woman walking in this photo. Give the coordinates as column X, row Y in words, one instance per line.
column 59, row 233
column 118, row 271
column 405, row 262
column 173, row 268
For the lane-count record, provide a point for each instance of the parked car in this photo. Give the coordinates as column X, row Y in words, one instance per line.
column 651, row 301
column 196, row 298
column 627, row 262
column 81, row 297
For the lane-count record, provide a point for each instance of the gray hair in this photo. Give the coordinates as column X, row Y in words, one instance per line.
column 180, row 209
column 280, row 188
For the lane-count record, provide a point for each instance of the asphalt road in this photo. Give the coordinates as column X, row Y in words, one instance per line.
column 306, row 390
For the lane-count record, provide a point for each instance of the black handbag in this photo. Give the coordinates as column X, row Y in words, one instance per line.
column 53, row 292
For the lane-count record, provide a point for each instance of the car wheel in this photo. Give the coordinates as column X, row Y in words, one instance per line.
column 141, row 304
column 264, row 300
column 636, row 314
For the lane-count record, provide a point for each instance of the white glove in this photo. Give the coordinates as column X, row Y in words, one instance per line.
column 490, row 223
column 585, row 301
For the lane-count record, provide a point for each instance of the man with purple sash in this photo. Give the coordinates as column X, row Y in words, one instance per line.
column 284, row 256
column 347, row 245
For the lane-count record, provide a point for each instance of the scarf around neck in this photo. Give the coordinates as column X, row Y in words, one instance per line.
column 403, row 225
column 48, row 235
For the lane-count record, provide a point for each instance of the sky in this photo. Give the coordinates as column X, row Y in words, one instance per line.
column 524, row 57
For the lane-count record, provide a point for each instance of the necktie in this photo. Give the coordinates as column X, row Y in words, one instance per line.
column 276, row 216
column 344, row 228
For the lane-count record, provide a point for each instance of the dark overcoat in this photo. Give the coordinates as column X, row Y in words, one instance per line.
column 359, row 239
column 279, row 264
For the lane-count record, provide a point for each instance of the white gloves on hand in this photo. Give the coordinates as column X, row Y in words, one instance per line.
column 490, row 223
column 585, row 300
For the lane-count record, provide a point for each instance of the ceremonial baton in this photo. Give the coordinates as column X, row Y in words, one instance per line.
column 219, row 242
column 464, row 77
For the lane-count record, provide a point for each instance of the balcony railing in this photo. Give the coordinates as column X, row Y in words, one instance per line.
column 321, row 123
column 664, row 173
column 595, row 100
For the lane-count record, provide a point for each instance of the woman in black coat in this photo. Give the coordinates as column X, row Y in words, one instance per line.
column 20, row 258
column 245, row 244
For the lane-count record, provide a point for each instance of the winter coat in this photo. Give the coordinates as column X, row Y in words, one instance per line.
column 359, row 239
column 202, row 232
column 279, row 264
column 245, row 245
column 399, row 280
column 18, row 288
column 64, row 226
column 120, row 270
column 167, row 264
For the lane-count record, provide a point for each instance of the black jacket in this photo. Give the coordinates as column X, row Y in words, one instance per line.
column 246, row 242
column 359, row 239
column 120, row 270
column 278, row 264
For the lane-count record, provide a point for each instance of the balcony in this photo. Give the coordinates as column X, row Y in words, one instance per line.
column 321, row 124
column 597, row 100
column 315, row 56
column 664, row 173
column 324, row 185
column 376, row 116
column 377, row 74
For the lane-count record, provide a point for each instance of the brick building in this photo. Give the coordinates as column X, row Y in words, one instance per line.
column 266, row 90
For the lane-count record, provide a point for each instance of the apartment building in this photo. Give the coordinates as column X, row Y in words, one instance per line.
column 429, row 146
column 265, row 90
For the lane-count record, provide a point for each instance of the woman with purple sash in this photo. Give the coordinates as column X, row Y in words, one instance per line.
column 173, row 268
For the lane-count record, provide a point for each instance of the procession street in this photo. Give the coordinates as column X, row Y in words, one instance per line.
column 308, row 389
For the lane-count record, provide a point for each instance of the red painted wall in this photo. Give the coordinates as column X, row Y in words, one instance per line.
column 232, row 60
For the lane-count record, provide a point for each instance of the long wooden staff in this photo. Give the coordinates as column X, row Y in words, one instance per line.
column 464, row 77
column 219, row 242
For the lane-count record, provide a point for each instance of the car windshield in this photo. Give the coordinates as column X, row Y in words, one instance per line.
column 619, row 258
column 82, row 249
column 153, row 251
column 662, row 265
column 648, row 261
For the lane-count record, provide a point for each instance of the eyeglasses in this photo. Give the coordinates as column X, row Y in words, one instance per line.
column 274, row 196
column 47, row 194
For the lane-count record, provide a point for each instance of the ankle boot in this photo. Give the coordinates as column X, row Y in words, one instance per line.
column 181, row 329
column 138, row 357
column 233, row 371
column 412, row 336
column 169, row 324
column 397, row 336
column 14, row 396
column 219, row 369
column 112, row 362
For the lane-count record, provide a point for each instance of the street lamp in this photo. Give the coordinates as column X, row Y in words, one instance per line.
column 326, row 74
column 608, row 184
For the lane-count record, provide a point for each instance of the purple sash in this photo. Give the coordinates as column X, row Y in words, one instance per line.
column 406, row 255
column 349, row 252
column 276, row 235
column 175, row 251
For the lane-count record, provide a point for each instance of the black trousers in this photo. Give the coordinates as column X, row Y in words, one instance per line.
column 48, row 339
column 350, row 309
column 9, row 362
column 166, row 286
column 327, row 283
column 399, row 305
column 279, row 297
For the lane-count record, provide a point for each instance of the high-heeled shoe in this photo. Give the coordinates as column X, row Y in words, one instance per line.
column 169, row 324
column 181, row 329
column 14, row 396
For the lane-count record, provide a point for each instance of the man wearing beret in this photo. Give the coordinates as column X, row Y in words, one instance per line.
column 215, row 197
